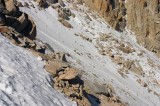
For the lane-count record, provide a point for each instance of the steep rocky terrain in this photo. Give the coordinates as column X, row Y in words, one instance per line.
column 140, row 16
column 143, row 18
column 90, row 63
column 113, row 11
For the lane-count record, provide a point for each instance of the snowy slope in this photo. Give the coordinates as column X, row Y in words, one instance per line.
column 87, row 57
column 24, row 81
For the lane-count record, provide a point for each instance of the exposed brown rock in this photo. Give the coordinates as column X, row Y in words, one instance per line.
column 112, row 10
column 11, row 7
column 113, row 101
column 53, row 66
column 4, row 29
column 133, row 66
column 143, row 18
column 23, row 23
column 68, row 75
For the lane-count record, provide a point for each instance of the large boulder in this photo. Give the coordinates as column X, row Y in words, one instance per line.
column 69, row 74
column 53, row 66
column 23, row 24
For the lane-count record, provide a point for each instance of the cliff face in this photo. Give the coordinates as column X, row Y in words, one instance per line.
column 143, row 18
column 112, row 10
column 140, row 16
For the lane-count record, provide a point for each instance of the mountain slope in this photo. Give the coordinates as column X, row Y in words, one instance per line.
column 86, row 56
column 105, row 56
column 25, row 84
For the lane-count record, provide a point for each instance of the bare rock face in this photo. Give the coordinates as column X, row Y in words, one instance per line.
column 140, row 16
column 113, row 11
column 143, row 18
column 11, row 7
column 23, row 24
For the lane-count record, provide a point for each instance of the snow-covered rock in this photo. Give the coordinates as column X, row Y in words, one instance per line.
column 24, row 81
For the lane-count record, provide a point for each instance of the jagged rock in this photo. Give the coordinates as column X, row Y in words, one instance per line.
column 61, row 56
column 11, row 7
column 136, row 68
column 75, row 87
column 106, row 101
column 113, row 11
column 32, row 32
column 68, row 92
column 147, row 29
column 28, row 43
column 84, row 102
column 64, row 13
column 40, row 48
column 53, row 66
column 69, row 75
column 23, row 24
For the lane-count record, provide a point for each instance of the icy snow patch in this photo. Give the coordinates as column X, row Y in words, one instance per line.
column 24, row 81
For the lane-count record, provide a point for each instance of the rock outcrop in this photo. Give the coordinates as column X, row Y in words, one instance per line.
column 140, row 16
column 143, row 18
column 11, row 7
column 113, row 11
